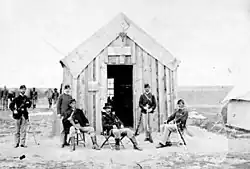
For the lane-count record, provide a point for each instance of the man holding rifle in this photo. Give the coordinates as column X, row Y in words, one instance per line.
column 19, row 108
column 179, row 117
column 147, row 104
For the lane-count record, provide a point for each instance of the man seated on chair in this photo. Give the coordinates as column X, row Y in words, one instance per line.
column 179, row 117
column 113, row 125
column 80, row 122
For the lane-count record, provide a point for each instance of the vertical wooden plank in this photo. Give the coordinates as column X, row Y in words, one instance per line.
column 139, row 82
column 103, row 78
column 86, row 93
column 162, row 93
column 154, row 92
column 133, row 48
column 98, row 100
column 146, row 69
column 175, row 86
column 94, row 94
column 82, row 91
column 90, row 94
column 134, row 53
column 172, row 91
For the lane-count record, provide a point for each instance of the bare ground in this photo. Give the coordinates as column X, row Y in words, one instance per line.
column 205, row 150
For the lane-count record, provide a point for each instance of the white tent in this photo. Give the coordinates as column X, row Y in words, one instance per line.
column 237, row 107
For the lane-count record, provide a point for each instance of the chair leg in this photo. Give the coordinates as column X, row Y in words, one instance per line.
column 106, row 140
column 77, row 139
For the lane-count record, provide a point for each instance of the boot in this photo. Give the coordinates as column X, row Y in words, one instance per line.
column 65, row 141
column 136, row 147
column 150, row 138
column 117, row 144
column 95, row 145
column 147, row 136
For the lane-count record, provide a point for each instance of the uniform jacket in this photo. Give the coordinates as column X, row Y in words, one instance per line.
column 147, row 99
column 108, row 120
column 181, row 116
column 55, row 96
column 33, row 94
column 63, row 104
column 78, row 117
column 5, row 94
column 21, row 103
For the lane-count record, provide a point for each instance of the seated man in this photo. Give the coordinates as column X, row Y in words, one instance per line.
column 80, row 122
column 112, row 124
column 180, row 117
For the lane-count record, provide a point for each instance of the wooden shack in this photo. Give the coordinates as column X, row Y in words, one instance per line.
column 115, row 63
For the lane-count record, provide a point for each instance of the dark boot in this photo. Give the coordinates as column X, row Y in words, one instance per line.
column 117, row 144
column 150, row 138
column 65, row 141
column 136, row 147
column 95, row 145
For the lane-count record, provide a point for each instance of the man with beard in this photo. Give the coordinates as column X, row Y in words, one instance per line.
column 62, row 109
column 113, row 125
column 19, row 107
column 80, row 122
column 147, row 103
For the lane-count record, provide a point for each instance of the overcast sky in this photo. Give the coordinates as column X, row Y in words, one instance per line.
column 210, row 37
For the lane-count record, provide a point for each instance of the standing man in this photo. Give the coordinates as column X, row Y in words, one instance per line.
column 20, row 113
column 5, row 95
column 147, row 104
column 62, row 108
column 33, row 97
column 55, row 95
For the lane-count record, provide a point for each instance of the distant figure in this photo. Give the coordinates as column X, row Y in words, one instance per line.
column 49, row 96
column 33, row 97
column 1, row 99
column 5, row 96
column 19, row 108
column 55, row 96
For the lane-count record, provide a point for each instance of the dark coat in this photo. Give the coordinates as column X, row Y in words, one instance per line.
column 63, row 104
column 147, row 99
column 21, row 103
column 108, row 120
column 79, row 118
column 180, row 116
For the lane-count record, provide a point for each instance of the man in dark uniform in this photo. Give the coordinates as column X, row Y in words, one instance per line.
column 33, row 97
column 19, row 108
column 113, row 125
column 62, row 109
column 147, row 104
column 180, row 117
column 55, row 95
column 80, row 122
column 5, row 97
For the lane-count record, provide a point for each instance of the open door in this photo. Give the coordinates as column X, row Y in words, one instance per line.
column 120, row 91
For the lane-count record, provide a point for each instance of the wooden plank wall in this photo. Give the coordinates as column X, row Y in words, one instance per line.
column 145, row 70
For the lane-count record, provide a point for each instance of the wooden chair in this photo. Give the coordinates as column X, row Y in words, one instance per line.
column 108, row 136
column 80, row 138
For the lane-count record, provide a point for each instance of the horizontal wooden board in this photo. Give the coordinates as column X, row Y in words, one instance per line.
column 126, row 50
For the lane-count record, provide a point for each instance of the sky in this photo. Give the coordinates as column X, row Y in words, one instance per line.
column 210, row 37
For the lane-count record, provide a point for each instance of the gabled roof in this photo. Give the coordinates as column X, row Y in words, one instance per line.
column 79, row 58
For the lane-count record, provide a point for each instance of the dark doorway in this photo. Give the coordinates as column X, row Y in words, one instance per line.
column 120, row 88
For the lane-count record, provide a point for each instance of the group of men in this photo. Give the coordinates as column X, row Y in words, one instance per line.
column 74, row 119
